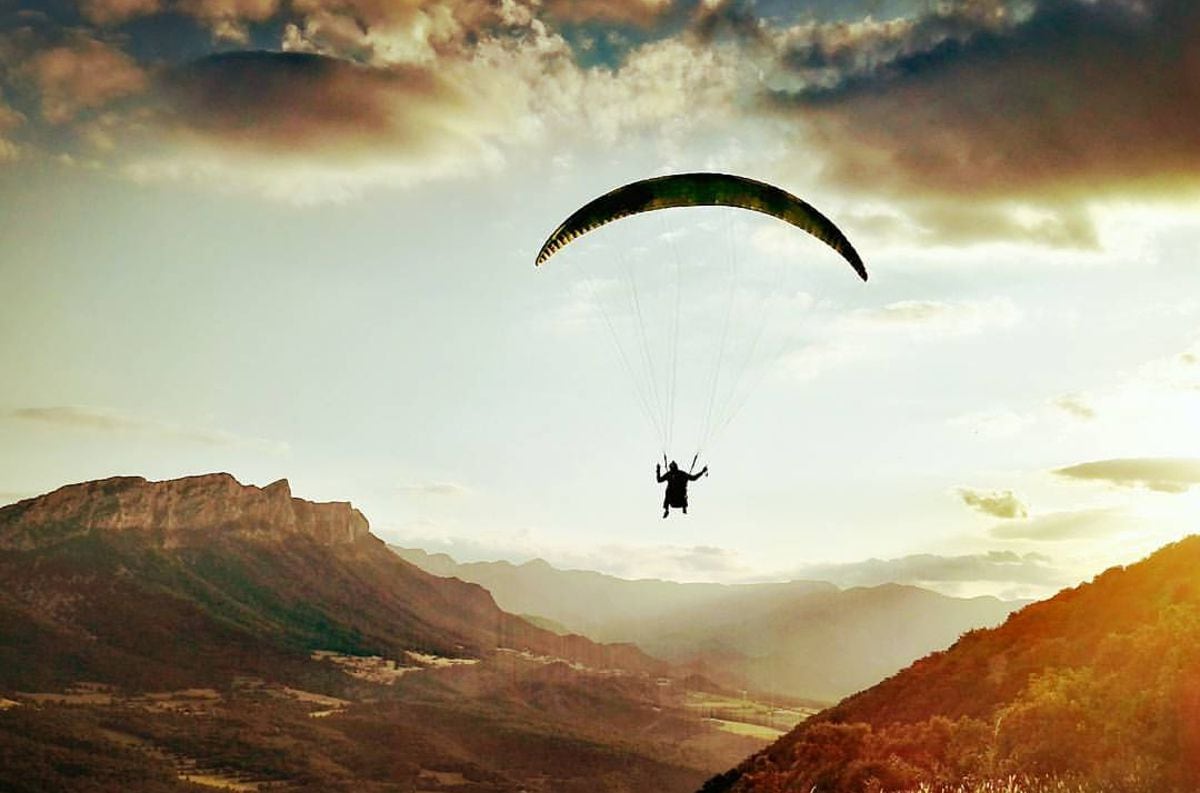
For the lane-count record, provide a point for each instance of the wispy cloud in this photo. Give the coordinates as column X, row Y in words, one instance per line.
column 999, row 504
column 116, row 423
column 993, row 566
column 995, row 424
column 1066, row 525
column 1003, row 572
column 1161, row 474
column 665, row 561
column 433, row 489
column 861, row 333
column 1159, row 396
column 936, row 318
column 1075, row 405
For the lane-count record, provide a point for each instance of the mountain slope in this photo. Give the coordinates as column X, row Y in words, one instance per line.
column 152, row 631
column 806, row 639
column 1096, row 685
column 258, row 575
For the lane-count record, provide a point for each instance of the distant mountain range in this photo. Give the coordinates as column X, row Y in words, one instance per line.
column 1095, row 689
column 802, row 639
column 154, row 632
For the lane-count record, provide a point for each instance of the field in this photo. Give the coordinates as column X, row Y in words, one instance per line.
column 515, row 722
column 747, row 716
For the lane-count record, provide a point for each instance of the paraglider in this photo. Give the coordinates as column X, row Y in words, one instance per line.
column 677, row 482
column 658, row 384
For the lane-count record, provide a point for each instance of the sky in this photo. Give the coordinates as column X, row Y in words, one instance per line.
column 296, row 239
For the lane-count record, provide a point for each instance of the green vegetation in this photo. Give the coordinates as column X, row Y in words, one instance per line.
column 1097, row 689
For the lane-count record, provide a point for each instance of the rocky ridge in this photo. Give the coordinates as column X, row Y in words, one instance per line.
column 177, row 510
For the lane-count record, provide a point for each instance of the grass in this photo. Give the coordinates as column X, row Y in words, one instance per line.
column 1011, row 784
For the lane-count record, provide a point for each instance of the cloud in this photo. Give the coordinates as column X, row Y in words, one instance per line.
column 994, row 424
column 116, row 423
column 933, row 569
column 996, row 99
column 1145, row 404
column 1161, row 474
column 642, row 13
column 306, row 102
column 10, row 120
column 950, row 222
column 114, row 12
column 1067, row 525
column 230, row 12
column 339, row 113
column 1017, row 574
column 218, row 14
column 1075, row 405
column 82, row 74
column 1179, row 372
column 999, row 504
column 1012, row 103
column 668, row 562
column 937, row 318
column 356, row 93
column 310, row 128
column 865, row 332
column 433, row 489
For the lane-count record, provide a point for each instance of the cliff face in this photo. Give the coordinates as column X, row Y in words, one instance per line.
column 176, row 511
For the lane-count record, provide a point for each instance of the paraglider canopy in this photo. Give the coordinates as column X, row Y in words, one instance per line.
column 661, row 317
column 701, row 189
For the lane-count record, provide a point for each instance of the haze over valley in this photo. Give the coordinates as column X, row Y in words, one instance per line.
column 806, row 639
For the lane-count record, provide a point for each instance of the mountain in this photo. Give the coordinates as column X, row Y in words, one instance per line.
column 803, row 639
column 1094, row 689
column 155, row 632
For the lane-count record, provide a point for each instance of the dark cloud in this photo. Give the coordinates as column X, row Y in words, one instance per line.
column 1162, row 474
column 993, row 566
column 999, row 504
column 304, row 102
column 1070, row 97
column 729, row 19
